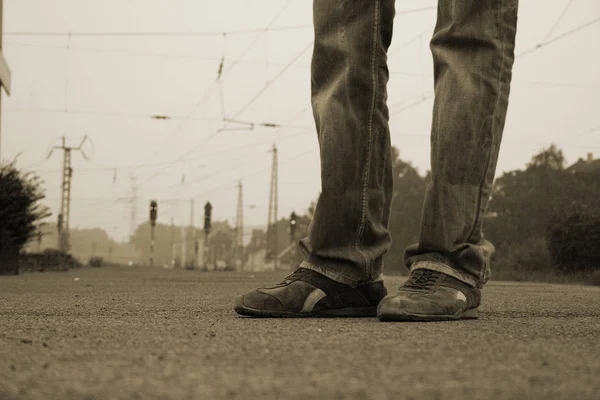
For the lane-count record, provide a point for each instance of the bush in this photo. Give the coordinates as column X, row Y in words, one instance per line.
column 20, row 213
column 9, row 254
column 573, row 235
column 96, row 262
column 525, row 261
column 592, row 279
column 49, row 260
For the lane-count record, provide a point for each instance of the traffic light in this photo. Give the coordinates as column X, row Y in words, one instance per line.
column 207, row 216
column 293, row 221
column 153, row 212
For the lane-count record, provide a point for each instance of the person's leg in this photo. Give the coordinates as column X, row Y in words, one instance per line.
column 348, row 235
column 473, row 52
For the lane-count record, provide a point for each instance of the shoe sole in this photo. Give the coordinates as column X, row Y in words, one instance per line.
column 363, row 312
column 472, row 313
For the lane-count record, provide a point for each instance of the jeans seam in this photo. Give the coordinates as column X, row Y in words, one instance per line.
column 367, row 168
column 488, row 161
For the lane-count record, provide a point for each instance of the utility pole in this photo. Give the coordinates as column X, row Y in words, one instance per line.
column 65, row 195
column 239, row 227
column 207, row 226
column 272, row 235
column 153, row 215
column 293, row 223
column 192, row 234
column 133, row 205
column 183, row 249
column 172, row 240
column 5, row 78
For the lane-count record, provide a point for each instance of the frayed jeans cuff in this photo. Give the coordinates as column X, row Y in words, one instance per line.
column 443, row 268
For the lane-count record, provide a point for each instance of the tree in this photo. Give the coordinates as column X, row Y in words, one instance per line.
column 545, row 203
column 523, row 201
column 574, row 238
column 20, row 213
column 552, row 158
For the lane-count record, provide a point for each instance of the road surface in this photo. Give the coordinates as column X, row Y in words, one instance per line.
column 141, row 333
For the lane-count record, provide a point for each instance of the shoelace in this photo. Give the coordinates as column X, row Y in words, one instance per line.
column 422, row 279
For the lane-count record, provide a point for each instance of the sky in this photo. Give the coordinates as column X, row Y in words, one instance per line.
column 127, row 61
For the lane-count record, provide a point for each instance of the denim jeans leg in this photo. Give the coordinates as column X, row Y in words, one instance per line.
column 348, row 235
column 473, row 51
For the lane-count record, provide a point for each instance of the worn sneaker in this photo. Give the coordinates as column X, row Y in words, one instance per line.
column 431, row 296
column 306, row 293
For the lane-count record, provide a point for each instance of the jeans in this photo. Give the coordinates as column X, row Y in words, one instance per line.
column 473, row 53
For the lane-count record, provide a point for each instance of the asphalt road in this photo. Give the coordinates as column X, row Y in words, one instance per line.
column 118, row 333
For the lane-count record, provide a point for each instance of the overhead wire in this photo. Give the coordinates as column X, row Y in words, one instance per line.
column 254, row 145
column 428, row 96
column 560, row 18
column 155, row 33
column 526, row 52
column 203, row 177
column 109, row 114
column 203, row 156
column 588, row 131
column 292, row 119
column 231, row 168
column 559, row 37
column 189, row 33
column 543, row 43
column 233, row 186
column 144, row 53
column 283, row 70
column 411, row 40
column 206, row 95
column 212, row 136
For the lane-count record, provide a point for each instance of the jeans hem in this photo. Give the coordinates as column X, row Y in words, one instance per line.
column 445, row 269
column 336, row 276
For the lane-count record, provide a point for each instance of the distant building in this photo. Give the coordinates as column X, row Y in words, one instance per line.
column 587, row 166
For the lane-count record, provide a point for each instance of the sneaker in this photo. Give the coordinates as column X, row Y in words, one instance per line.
column 306, row 293
column 431, row 296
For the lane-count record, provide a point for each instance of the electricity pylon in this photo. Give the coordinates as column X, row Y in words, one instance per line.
column 65, row 194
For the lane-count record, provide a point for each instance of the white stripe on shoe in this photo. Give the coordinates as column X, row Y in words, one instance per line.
column 312, row 299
